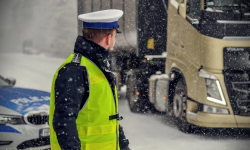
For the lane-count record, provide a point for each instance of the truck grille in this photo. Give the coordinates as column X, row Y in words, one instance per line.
column 38, row 119
column 237, row 79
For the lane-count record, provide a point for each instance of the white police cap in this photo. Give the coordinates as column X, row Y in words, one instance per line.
column 104, row 19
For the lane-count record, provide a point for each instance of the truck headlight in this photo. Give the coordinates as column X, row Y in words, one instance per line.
column 214, row 110
column 5, row 119
column 214, row 91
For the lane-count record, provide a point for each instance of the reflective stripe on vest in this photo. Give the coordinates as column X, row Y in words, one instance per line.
column 95, row 130
column 87, row 131
column 98, row 146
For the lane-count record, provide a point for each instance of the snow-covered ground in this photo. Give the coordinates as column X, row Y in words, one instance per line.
column 145, row 131
column 30, row 71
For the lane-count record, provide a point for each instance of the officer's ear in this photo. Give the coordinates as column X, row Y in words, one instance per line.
column 108, row 39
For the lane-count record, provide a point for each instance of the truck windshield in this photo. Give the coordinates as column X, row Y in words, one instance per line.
column 235, row 6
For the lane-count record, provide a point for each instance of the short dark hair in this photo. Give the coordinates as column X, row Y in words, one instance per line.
column 96, row 34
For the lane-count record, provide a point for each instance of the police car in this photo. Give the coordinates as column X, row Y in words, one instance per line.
column 23, row 117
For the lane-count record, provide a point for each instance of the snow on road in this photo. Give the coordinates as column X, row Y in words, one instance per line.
column 145, row 131
column 157, row 132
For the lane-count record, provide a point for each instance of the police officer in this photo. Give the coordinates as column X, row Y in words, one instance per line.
column 84, row 104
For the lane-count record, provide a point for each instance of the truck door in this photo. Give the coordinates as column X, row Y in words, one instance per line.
column 190, row 11
column 184, row 41
column 174, row 35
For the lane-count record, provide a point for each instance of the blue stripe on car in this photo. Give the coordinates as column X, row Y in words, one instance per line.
column 4, row 128
column 23, row 100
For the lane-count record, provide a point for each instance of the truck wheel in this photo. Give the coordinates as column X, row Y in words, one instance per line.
column 180, row 106
column 131, row 95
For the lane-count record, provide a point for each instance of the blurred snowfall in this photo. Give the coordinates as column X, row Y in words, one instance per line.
column 50, row 24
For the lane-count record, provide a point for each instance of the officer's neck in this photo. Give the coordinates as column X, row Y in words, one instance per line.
column 101, row 43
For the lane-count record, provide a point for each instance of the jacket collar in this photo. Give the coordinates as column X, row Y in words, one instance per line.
column 92, row 51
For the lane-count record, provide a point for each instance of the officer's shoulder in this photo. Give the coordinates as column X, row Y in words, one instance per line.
column 71, row 68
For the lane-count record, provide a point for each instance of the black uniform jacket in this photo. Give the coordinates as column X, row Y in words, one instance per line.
column 72, row 91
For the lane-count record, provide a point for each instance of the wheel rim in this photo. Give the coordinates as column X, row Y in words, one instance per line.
column 180, row 102
column 178, row 106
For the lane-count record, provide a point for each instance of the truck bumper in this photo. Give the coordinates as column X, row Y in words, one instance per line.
column 218, row 121
column 243, row 122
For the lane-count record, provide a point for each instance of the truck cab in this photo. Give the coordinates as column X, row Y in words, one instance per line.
column 206, row 78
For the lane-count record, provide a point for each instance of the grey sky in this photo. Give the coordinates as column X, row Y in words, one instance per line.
column 50, row 25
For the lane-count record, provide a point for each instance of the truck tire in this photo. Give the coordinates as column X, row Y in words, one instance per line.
column 131, row 95
column 180, row 106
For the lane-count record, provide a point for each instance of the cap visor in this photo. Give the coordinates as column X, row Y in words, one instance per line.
column 118, row 30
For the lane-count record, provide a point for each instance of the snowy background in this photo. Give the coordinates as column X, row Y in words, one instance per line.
column 52, row 26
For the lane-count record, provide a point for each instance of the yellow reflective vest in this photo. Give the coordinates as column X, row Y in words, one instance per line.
column 96, row 131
